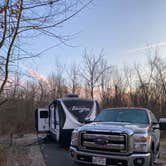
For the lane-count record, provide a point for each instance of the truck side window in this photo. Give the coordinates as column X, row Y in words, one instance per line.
column 43, row 114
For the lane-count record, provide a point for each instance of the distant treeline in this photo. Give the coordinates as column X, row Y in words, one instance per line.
column 139, row 85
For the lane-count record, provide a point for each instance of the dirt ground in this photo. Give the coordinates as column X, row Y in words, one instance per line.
column 162, row 160
column 20, row 153
column 25, row 152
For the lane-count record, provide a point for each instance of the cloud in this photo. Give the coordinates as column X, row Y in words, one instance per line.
column 35, row 74
column 155, row 45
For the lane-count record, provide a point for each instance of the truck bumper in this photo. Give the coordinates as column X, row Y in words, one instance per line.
column 134, row 159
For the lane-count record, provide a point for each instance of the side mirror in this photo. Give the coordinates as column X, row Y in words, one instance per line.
column 155, row 126
column 162, row 123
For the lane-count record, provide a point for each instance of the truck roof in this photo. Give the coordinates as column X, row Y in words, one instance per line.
column 134, row 108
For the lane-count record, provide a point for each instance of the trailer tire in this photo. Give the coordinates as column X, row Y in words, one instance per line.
column 61, row 137
column 64, row 138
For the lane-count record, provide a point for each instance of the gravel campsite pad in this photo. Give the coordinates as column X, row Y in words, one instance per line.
column 25, row 152
column 162, row 160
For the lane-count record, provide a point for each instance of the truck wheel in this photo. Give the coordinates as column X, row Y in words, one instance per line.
column 151, row 158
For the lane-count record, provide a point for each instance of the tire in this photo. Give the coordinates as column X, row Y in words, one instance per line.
column 152, row 157
column 61, row 137
column 64, row 138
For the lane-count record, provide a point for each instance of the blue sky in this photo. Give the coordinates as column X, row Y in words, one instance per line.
column 121, row 27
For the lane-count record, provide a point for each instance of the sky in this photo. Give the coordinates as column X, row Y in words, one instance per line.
column 122, row 28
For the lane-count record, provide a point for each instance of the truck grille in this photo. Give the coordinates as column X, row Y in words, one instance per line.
column 107, row 142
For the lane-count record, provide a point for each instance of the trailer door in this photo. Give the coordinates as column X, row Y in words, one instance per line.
column 42, row 120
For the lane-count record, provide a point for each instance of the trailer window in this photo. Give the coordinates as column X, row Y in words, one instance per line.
column 43, row 114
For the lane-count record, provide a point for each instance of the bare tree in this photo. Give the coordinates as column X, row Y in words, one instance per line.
column 159, row 82
column 92, row 70
column 73, row 76
column 104, row 85
column 57, row 82
column 57, row 86
column 29, row 18
column 161, row 72
column 119, row 88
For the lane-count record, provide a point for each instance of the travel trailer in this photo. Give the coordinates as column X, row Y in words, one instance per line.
column 64, row 115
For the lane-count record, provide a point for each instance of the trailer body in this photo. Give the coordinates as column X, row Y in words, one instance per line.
column 64, row 115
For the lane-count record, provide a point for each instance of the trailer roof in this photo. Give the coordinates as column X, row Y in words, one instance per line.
column 131, row 108
column 72, row 99
column 75, row 98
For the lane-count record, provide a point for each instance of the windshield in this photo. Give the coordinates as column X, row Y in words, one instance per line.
column 80, row 109
column 123, row 115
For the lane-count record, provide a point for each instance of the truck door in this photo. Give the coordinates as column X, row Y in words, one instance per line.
column 42, row 120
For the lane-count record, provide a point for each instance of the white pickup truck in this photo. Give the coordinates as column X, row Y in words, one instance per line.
column 118, row 136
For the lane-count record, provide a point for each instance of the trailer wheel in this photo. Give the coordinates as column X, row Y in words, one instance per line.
column 64, row 138
column 61, row 137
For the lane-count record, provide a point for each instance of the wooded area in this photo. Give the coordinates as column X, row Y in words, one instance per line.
column 22, row 21
column 142, row 85
column 139, row 85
